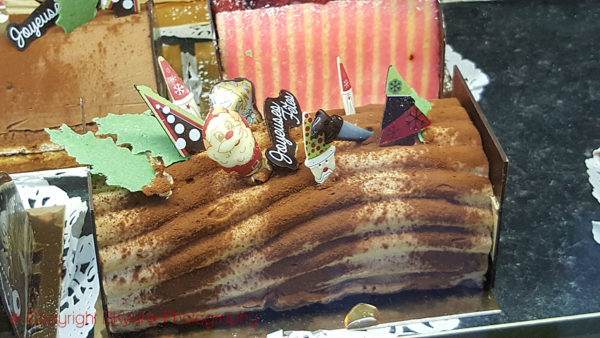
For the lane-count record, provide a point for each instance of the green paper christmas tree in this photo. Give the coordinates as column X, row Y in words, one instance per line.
column 396, row 86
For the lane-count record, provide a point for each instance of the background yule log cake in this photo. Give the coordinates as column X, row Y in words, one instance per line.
column 388, row 219
column 41, row 86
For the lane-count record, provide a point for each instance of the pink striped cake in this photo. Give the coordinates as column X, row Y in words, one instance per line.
column 295, row 47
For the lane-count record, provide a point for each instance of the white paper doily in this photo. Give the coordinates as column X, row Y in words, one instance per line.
column 80, row 285
column 593, row 165
column 475, row 78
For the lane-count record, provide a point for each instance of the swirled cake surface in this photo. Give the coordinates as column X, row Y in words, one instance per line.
column 388, row 219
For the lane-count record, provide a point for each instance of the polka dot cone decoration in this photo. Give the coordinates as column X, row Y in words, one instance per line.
column 312, row 146
column 185, row 133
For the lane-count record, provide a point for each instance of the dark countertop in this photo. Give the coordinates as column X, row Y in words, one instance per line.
column 543, row 60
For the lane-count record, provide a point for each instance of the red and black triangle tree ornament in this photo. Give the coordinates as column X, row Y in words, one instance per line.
column 402, row 121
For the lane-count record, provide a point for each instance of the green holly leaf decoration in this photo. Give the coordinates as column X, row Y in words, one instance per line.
column 119, row 165
column 74, row 13
column 142, row 132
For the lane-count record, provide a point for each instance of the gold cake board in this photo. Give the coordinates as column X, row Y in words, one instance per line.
column 397, row 310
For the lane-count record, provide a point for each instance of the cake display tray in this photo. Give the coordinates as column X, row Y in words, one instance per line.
column 540, row 102
column 410, row 312
column 398, row 311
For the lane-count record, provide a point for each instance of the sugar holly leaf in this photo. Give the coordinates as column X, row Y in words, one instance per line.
column 142, row 132
column 117, row 164
column 74, row 13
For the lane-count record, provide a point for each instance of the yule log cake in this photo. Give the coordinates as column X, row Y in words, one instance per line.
column 388, row 219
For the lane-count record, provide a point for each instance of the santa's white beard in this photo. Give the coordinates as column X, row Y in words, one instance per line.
column 238, row 155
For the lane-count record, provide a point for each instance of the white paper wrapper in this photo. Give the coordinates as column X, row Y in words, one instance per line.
column 400, row 330
column 189, row 31
column 191, row 78
column 80, row 286
column 593, row 165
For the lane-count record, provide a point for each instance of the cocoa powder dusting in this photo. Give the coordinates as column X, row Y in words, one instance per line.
column 159, row 186
column 51, row 97
column 196, row 222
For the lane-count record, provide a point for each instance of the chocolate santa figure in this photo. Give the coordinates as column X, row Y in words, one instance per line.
column 320, row 157
column 229, row 141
